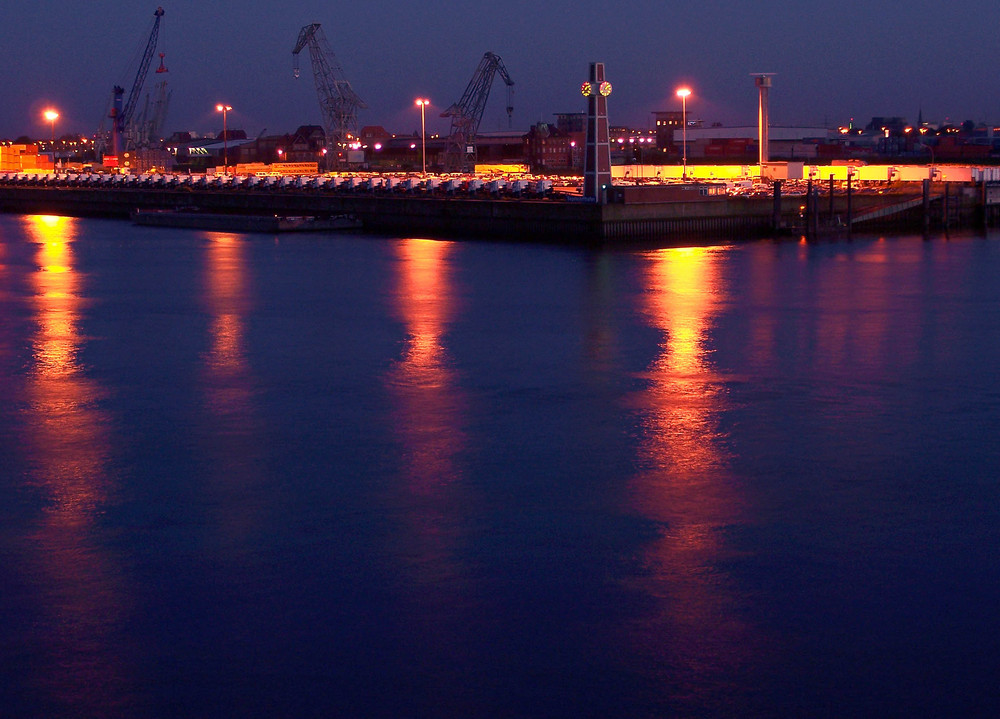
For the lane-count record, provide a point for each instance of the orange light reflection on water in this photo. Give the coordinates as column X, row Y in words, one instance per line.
column 56, row 291
column 234, row 435
column 683, row 295
column 81, row 590
column 424, row 382
column 685, row 484
column 429, row 419
column 226, row 294
column 62, row 397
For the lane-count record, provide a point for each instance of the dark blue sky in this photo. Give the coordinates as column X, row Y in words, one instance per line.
column 832, row 61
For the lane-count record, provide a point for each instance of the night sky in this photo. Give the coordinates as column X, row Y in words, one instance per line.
column 833, row 61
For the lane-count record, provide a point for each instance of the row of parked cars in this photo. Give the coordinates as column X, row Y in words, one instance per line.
column 374, row 184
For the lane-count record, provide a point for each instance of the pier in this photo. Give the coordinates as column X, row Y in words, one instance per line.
column 628, row 213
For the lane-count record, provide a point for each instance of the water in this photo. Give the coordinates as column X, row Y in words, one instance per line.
column 261, row 476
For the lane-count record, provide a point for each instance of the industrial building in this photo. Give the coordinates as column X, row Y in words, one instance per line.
column 740, row 143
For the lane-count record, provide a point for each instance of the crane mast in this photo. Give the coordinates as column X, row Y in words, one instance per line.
column 147, row 124
column 467, row 113
column 121, row 110
column 338, row 102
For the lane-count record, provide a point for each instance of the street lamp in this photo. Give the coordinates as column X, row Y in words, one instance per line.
column 52, row 116
column 224, row 109
column 683, row 95
column 423, row 134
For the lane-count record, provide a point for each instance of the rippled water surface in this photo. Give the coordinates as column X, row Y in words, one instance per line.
column 244, row 475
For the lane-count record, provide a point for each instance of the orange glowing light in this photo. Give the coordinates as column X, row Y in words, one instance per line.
column 56, row 284
column 226, row 294
column 80, row 585
column 685, row 482
column 428, row 402
column 423, row 297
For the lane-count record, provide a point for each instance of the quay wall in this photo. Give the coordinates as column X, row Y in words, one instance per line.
column 547, row 220
column 433, row 216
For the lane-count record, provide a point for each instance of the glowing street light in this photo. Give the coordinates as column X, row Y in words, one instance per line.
column 423, row 103
column 51, row 116
column 224, row 109
column 683, row 95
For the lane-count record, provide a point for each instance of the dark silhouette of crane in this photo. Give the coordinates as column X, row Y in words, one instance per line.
column 338, row 102
column 467, row 113
column 121, row 113
column 147, row 124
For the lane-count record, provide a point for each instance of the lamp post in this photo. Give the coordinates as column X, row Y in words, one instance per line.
column 683, row 95
column 224, row 109
column 52, row 116
column 423, row 134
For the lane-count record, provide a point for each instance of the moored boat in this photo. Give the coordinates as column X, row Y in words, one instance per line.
column 222, row 222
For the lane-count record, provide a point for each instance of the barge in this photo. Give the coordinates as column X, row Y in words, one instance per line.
column 225, row 222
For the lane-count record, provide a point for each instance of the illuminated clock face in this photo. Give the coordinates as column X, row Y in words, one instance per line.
column 586, row 89
column 605, row 88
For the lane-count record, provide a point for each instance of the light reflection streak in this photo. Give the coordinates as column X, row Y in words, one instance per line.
column 424, row 383
column 226, row 293
column 763, row 300
column 233, row 435
column 82, row 590
column 853, row 306
column 428, row 417
column 845, row 297
column 695, row 634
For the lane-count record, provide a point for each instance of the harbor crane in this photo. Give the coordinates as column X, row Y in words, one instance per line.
column 121, row 109
column 467, row 113
column 338, row 102
column 146, row 126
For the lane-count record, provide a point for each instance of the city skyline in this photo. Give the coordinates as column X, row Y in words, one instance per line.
column 830, row 64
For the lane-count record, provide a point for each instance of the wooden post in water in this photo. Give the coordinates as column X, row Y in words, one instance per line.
column 947, row 205
column 776, row 210
column 927, row 204
column 831, row 200
column 815, row 213
column 850, row 215
column 982, row 204
column 986, row 208
column 809, row 207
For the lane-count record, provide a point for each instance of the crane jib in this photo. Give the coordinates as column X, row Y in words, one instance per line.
column 133, row 97
column 338, row 102
column 467, row 114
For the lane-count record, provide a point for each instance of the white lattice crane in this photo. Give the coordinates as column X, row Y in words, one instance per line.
column 338, row 102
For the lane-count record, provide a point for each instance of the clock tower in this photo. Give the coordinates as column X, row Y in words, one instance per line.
column 597, row 159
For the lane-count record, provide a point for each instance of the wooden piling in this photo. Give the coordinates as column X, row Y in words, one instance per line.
column 776, row 211
column 850, row 210
column 831, row 200
column 927, row 204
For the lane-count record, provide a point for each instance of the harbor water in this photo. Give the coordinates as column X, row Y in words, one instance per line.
column 342, row 475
